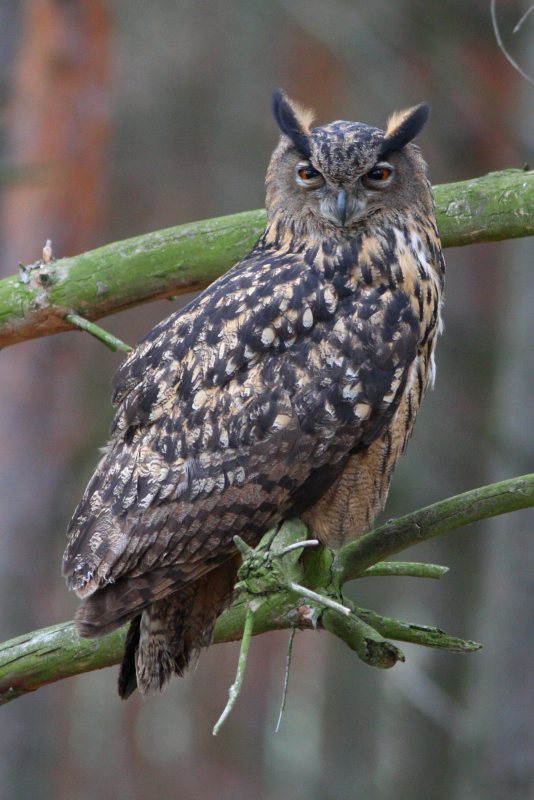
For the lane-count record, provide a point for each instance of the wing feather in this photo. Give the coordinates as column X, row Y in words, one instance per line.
column 229, row 406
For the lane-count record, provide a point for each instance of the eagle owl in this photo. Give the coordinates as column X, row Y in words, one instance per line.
column 289, row 387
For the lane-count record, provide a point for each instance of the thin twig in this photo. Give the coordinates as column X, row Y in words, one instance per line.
column 500, row 43
column 244, row 548
column 298, row 546
column 424, row 635
column 409, row 569
column 235, row 688
column 522, row 20
column 321, row 599
column 286, row 677
column 372, row 648
column 99, row 333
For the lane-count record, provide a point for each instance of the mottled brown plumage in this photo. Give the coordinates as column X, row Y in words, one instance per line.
column 289, row 387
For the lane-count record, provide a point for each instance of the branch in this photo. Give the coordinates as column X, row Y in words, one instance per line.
column 188, row 257
column 500, row 205
column 455, row 512
column 48, row 655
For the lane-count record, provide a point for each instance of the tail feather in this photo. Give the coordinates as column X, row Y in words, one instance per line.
column 169, row 633
column 117, row 603
column 165, row 644
column 127, row 675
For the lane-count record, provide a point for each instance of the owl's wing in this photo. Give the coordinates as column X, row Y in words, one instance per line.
column 227, row 410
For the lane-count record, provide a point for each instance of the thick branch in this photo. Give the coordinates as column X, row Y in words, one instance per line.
column 497, row 206
column 455, row 512
column 45, row 656
column 187, row 258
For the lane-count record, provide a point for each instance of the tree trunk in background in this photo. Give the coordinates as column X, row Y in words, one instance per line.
column 495, row 751
column 497, row 744
column 58, row 126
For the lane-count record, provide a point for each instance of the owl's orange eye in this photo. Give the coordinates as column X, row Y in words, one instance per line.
column 307, row 173
column 379, row 173
column 379, row 176
column 308, row 176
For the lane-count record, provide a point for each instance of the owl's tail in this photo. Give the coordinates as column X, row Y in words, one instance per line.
column 167, row 636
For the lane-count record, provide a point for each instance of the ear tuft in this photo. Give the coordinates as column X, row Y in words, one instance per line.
column 292, row 120
column 403, row 126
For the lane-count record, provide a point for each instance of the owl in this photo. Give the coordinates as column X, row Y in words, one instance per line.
column 289, row 387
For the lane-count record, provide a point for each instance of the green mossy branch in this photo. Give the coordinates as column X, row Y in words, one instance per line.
column 38, row 300
column 48, row 655
column 352, row 560
column 111, row 342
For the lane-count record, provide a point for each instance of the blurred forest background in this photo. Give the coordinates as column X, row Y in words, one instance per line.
column 124, row 117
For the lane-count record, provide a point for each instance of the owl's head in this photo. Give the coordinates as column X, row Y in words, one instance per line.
column 332, row 178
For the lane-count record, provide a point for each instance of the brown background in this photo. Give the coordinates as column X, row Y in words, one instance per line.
column 125, row 117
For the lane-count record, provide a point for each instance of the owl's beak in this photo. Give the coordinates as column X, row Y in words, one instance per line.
column 341, row 206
